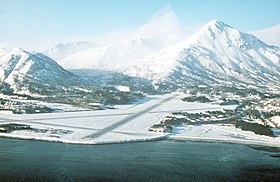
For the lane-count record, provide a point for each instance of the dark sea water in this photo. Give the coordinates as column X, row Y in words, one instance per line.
column 26, row 160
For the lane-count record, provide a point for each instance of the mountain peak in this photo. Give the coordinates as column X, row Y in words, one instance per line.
column 216, row 51
column 216, row 23
column 216, row 26
column 221, row 33
column 22, row 70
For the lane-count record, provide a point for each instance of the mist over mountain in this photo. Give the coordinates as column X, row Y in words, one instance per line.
column 63, row 50
column 216, row 54
column 111, row 57
column 269, row 35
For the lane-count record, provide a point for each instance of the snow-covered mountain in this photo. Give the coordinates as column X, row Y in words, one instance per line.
column 21, row 70
column 62, row 50
column 269, row 35
column 112, row 57
column 101, row 78
column 218, row 53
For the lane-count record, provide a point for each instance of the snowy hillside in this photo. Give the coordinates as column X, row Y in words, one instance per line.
column 21, row 70
column 218, row 53
column 270, row 35
column 62, row 50
column 112, row 57
column 101, row 78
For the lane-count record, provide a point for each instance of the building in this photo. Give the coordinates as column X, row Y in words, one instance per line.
column 157, row 128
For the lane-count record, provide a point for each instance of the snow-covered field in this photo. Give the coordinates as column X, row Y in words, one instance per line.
column 222, row 133
column 127, row 124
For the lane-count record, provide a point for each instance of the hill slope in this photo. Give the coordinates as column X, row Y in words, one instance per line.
column 21, row 70
column 218, row 53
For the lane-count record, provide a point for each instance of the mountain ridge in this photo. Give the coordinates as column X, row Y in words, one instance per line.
column 21, row 69
column 216, row 54
column 216, row 51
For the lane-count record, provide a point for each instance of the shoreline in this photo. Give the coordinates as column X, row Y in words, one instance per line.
column 165, row 137
column 220, row 140
column 75, row 142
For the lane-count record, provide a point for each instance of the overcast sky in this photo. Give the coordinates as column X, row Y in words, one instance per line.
column 39, row 24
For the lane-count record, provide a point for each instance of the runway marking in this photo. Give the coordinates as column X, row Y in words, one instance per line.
column 130, row 116
column 127, row 119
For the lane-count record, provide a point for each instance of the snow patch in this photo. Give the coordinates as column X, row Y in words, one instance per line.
column 123, row 88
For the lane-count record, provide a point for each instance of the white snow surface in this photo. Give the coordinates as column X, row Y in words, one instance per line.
column 276, row 121
column 123, row 88
column 84, row 124
column 222, row 133
column 21, row 68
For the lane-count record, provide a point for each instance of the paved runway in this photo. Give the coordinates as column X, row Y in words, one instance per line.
column 127, row 119
column 99, row 123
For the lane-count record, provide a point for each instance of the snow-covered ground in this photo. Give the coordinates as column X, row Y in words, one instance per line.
column 127, row 124
column 222, row 133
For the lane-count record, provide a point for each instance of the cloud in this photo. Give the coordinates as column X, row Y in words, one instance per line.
column 163, row 26
column 269, row 35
